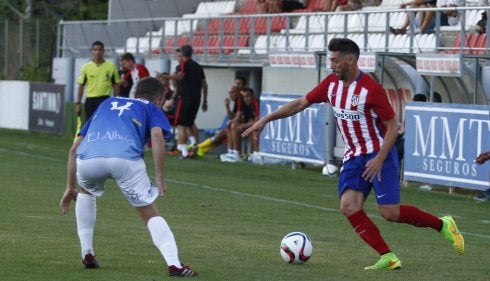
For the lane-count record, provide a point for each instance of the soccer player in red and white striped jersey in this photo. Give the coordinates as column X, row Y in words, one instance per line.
column 367, row 123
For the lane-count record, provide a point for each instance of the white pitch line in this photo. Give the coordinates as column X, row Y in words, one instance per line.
column 239, row 193
column 32, row 155
column 267, row 198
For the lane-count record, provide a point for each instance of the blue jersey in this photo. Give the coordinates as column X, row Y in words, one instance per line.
column 120, row 128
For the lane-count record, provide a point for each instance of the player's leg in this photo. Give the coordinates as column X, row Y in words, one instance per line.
column 182, row 140
column 182, row 122
column 388, row 197
column 161, row 234
column 91, row 175
column 132, row 178
column 85, row 212
column 353, row 190
column 164, row 240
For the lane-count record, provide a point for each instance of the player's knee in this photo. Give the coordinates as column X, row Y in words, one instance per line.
column 348, row 209
column 389, row 215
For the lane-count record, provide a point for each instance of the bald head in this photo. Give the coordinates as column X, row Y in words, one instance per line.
column 234, row 92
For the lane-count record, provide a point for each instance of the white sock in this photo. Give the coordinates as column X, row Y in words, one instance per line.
column 183, row 150
column 164, row 240
column 86, row 211
column 192, row 140
column 235, row 152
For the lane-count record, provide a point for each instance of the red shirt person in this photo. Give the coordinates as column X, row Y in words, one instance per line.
column 133, row 71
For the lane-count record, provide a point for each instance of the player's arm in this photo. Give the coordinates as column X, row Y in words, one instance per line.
column 71, row 169
column 116, row 81
column 204, row 95
column 373, row 166
column 229, row 113
column 158, row 152
column 115, row 89
column 78, row 102
column 286, row 110
column 483, row 157
column 176, row 76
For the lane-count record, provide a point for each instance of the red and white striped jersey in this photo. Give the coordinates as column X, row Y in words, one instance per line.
column 359, row 109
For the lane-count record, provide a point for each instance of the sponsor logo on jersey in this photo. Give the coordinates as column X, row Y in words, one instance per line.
column 345, row 114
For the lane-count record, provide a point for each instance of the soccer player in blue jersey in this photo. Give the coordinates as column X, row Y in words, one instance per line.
column 111, row 145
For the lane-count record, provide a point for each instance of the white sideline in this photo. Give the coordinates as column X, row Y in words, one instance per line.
column 239, row 193
column 267, row 198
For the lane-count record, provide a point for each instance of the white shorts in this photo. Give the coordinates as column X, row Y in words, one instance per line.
column 130, row 176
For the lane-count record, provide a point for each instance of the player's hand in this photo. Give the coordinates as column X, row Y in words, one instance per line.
column 373, row 169
column 78, row 109
column 168, row 104
column 257, row 126
column 227, row 101
column 68, row 196
column 204, row 106
column 482, row 158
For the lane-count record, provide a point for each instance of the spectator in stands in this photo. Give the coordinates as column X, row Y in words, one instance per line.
column 422, row 22
column 450, row 17
column 481, row 25
column 425, row 21
column 263, row 6
column 100, row 77
column 370, row 161
column 275, row 6
column 191, row 82
column 214, row 141
column 348, row 5
column 290, row 5
column 246, row 116
column 134, row 71
column 331, row 5
column 485, row 195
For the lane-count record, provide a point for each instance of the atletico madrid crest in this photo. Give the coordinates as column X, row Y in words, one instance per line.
column 355, row 100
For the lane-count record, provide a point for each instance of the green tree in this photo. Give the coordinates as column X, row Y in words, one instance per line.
column 31, row 26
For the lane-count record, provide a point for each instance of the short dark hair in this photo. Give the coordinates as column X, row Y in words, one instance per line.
column 248, row 90
column 98, row 43
column 127, row 56
column 345, row 46
column 149, row 88
column 241, row 78
column 185, row 50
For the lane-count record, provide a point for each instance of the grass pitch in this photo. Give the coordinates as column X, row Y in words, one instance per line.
column 228, row 220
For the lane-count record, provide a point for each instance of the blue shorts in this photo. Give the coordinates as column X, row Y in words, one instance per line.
column 387, row 191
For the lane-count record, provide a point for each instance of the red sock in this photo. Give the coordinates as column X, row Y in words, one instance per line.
column 368, row 231
column 414, row 216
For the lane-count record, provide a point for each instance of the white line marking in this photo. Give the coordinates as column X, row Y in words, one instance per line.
column 267, row 198
column 21, row 153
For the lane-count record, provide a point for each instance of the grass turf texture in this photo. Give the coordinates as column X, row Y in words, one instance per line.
column 228, row 220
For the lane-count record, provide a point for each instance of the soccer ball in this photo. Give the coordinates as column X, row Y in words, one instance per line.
column 296, row 248
column 330, row 170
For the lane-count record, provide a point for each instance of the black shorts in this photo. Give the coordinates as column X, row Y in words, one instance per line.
column 91, row 105
column 186, row 112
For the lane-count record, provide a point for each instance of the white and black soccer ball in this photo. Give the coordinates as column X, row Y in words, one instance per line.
column 296, row 248
column 330, row 170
